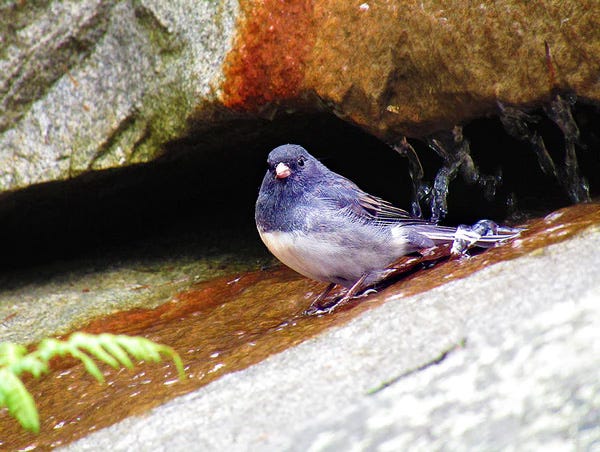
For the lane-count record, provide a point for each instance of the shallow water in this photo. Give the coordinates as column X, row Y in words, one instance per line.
column 228, row 324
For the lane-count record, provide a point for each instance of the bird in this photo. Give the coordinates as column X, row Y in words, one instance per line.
column 323, row 226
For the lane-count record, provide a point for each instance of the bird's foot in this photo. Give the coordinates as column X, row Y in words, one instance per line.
column 366, row 293
column 317, row 308
column 320, row 309
column 466, row 236
column 328, row 308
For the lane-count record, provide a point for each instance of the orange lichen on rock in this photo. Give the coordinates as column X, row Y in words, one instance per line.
column 267, row 62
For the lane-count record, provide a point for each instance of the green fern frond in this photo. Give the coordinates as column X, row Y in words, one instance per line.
column 111, row 349
column 18, row 400
column 15, row 358
column 10, row 353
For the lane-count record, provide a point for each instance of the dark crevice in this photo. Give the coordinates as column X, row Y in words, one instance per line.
column 199, row 197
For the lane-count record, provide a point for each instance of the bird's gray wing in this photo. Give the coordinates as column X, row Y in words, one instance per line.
column 345, row 195
column 342, row 193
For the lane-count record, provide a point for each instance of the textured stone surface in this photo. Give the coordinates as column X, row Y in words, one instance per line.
column 504, row 359
column 407, row 67
column 55, row 299
column 92, row 85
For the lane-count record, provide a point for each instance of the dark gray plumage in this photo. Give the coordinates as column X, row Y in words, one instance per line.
column 326, row 228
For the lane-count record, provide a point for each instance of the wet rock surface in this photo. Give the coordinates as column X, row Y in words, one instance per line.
column 506, row 357
column 227, row 324
column 54, row 299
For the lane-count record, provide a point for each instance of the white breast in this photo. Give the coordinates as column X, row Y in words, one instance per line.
column 307, row 257
column 322, row 259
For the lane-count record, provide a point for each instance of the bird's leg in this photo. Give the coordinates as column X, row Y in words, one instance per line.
column 350, row 293
column 323, row 294
column 328, row 309
column 315, row 306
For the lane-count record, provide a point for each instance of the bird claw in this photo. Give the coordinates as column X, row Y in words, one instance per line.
column 466, row 236
column 328, row 308
column 318, row 310
column 366, row 293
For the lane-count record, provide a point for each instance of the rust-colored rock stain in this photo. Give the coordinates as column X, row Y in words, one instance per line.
column 410, row 67
column 226, row 325
column 268, row 57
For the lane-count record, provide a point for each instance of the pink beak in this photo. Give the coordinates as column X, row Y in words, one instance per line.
column 282, row 171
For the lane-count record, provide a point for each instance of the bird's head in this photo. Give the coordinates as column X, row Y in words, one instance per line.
column 292, row 162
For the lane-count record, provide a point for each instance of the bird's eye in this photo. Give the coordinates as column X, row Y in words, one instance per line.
column 301, row 161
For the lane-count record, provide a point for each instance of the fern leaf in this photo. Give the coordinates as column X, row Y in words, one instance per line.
column 49, row 348
column 94, row 346
column 89, row 364
column 114, row 349
column 11, row 353
column 169, row 352
column 140, row 348
column 18, row 400
column 14, row 357
column 145, row 349
column 32, row 364
column 176, row 360
column 111, row 344
column 111, row 349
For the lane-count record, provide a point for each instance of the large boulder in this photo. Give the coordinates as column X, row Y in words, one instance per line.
column 89, row 85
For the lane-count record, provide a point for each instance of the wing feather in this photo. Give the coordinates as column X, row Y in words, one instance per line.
column 345, row 194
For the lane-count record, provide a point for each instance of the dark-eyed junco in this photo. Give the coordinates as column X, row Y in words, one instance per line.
column 323, row 226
